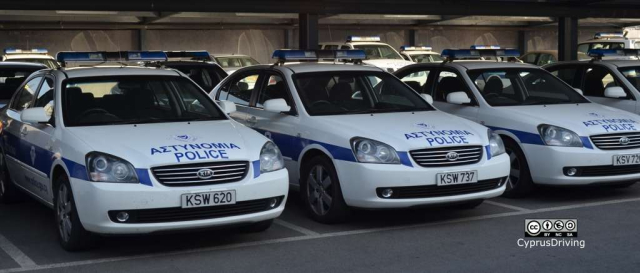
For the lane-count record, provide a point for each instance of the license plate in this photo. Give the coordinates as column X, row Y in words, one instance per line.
column 208, row 199
column 620, row 160
column 455, row 178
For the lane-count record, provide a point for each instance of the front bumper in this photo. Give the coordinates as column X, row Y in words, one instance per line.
column 94, row 201
column 547, row 165
column 361, row 182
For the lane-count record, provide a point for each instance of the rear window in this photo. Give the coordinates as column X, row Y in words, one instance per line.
column 236, row 61
column 11, row 79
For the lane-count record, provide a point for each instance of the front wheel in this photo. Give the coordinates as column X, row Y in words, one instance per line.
column 321, row 192
column 71, row 233
column 520, row 183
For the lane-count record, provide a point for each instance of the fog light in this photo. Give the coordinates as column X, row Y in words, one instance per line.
column 386, row 193
column 122, row 216
column 572, row 171
column 273, row 202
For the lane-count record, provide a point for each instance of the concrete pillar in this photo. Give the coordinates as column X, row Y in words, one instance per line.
column 411, row 37
column 522, row 42
column 308, row 31
column 567, row 38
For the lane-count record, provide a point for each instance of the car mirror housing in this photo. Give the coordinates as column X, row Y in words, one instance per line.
column 427, row 97
column 276, row 106
column 458, row 97
column 614, row 92
column 227, row 106
column 35, row 115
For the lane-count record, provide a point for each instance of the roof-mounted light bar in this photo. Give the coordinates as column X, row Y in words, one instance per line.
column 457, row 54
column 200, row 55
column 601, row 53
column 485, row 47
column 22, row 51
column 608, row 35
column 284, row 56
column 114, row 56
column 363, row 39
column 416, row 48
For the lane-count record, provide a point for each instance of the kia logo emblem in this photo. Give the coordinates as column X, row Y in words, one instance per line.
column 625, row 141
column 205, row 173
column 452, row 156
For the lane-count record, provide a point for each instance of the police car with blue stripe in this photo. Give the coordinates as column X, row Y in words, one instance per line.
column 36, row 55
column 377, row 53
column 355, row 136
column 552, row 133
column 130, row 150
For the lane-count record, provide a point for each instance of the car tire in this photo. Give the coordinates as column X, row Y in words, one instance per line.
column 622, row 185
column 520, row 183
column 470, row 205
column 323, row 201
column 71, row 233
column 257, row 227
column 8, row 192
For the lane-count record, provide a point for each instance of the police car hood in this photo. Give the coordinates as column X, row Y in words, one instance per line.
column 395, row 64
column 148, row 145
column 409, row 131
column 585, row 119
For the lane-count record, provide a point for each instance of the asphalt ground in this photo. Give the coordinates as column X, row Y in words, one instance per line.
column 489, row 238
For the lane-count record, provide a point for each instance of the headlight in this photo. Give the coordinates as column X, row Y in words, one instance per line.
column 557, row 136
column 270, row 158
column 107, row 168
column 371, row 151
column 496, row 146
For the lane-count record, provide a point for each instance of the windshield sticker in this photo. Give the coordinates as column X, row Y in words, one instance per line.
column 190, row 152
column 613, row 125
column 442, row 137
column 185, row 138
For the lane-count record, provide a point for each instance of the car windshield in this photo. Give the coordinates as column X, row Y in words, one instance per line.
column 11, row 79
column 134, row 100
column 356, row 92
column 584, row 48
column 375, row 52
column 226, row 62
column 48, row 62
column 426, row 58
column 632, row 74
column 516, row 86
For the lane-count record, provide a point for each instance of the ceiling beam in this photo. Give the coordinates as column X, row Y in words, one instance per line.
column 443, row 18
column 159, row 16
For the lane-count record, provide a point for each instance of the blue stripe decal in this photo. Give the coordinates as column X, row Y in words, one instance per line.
column 586, row 142
column 143, row 176
column 292, row 146
column 488, row 148
column 76, row 170
column 256, row 168
column 404, row 159
column 524, row 137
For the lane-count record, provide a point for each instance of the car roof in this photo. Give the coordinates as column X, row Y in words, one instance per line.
column 22, row 65
column 28, row 56
column 616, row 62
column 492, row 64
column 320, row 67
column 230, row 55
column 79, row 72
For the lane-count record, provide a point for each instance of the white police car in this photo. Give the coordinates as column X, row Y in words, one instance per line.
column 552, row 133
column 608, row 40
column 378, row 54
column 130, row 150
column 420, row 54
column 610, row 78
column 355, row 136
column 36, row 55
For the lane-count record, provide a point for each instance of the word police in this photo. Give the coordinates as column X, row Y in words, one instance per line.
column 613, row 125
column 196, row 151
column 441, row 137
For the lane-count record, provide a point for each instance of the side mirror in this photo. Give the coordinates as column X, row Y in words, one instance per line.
column 35, row 115
column 427, row 97
column 227, row 106
column 276, row 106
column 458, row 98
column 614, row 92
column 579, row 91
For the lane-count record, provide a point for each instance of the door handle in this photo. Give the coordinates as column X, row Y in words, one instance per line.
column 252, row 120
column 23, row 131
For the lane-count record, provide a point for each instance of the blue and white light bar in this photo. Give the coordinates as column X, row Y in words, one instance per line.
column 604, row 35
column 117, row 56
column 600, row 53
column 194, row 55
column 485, row 47
column 416, row 48
column 453, row 54
column 363, row 39
column 283, row 55
column 22, row 51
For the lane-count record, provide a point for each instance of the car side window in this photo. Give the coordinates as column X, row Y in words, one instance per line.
column 568, row 75
column 25, row 96
column 448, row 82
column 274, row 88
column 417, row 80
column 530, row 58
column 596, row 80
column 240, row 89
column 546, row 59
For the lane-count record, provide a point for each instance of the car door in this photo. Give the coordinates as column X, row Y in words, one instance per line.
column 241, row 90
column 446, row 82
column 38, row 140
column 282, row 127
column 16, row 154
column 596, row 79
